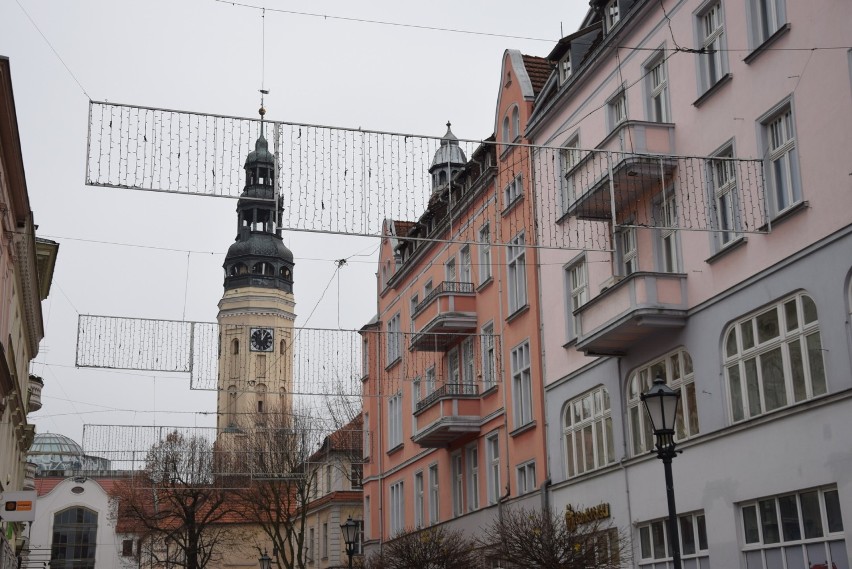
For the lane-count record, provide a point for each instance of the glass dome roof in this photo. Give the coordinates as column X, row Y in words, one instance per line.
column 51, row 443
column 52, row 452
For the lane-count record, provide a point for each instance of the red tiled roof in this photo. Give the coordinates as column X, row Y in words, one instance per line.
column 45, row 485
column 538, row 68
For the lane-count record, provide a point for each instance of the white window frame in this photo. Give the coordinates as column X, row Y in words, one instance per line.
column 454, row 367
column 569, row 157
column 657, row 88
column 712, row 41
column 418, row 499
column 465, row 268
column 516, row 123
column 309, row 553
column 766, row 17
column 429, row 381
column 526, row 477
column 492, row 446
column 565, row 69
column 513, row 191
column 468, row 369
column 626, row 250
column 724, row 197
column 667, row 234
column 516, row 268
column 434, row 495
column 395, row 420
column 489, row 361
column 472, row 466
column 587, row 433
column 522, row 404
column 676, row 369
column 451, row 272
column 748, row 364
column 617, row 109
column 577, row 294
column 611, row 14
column 783, row 182
column 458, row 483
column 415, row 300
column 397, row 508
column 416, row 393
column 654, row 541
column 324, row 537
column 484, row 250
column 767, row 527
column 394, row 337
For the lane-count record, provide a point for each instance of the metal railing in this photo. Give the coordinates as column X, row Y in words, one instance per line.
column 445, row 287
column 448, row 390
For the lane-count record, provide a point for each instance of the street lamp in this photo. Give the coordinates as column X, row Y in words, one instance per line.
column 661, row 403
column 350, row 537
column 265, row 561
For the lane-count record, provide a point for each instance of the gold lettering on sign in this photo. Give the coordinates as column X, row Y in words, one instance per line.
column 574, row 518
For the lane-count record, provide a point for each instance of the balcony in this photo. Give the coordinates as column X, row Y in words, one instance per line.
column 631, row 310
column 639, row 157
column 447, row 414
column 447, row 314
column 35, row 386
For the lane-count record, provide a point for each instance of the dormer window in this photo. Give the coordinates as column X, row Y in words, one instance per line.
column 611, row 14
column 565, row 67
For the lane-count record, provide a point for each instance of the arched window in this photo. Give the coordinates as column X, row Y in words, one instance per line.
column 75, row 533
column 505, row 135
column 263, row 268
column 773, row 358
column 587, row 424
column 235, row 346
column 282, row 400
column 231, row 406
column 282, row 347
column 676, row 369
column 442, row 177
column 516, row 123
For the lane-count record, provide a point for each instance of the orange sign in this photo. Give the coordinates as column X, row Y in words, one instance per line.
column 19, row 506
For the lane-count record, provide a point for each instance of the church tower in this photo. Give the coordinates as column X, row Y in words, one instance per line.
column 256, row 313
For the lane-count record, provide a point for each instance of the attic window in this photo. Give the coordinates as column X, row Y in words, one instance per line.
column 611, row 14
column 565, row 67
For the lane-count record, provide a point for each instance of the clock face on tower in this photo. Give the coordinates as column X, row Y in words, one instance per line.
column 261, row 339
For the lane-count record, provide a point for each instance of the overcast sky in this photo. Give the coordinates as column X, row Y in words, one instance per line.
column 144, row 254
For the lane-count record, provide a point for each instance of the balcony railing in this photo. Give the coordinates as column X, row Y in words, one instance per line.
column 448, row 390
column 445, row 287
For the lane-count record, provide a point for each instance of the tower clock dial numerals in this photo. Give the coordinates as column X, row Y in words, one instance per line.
column 261, row 339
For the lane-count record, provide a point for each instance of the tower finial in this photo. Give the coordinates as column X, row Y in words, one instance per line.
column 262, row 110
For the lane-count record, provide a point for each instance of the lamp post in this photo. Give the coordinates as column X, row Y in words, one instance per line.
column 350, row 537
column 661, row 403
column 265, row 561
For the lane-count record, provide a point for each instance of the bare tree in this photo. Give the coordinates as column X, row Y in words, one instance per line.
column 282, row 456
column 542, row 539
column 175, row 505
column 431, row 548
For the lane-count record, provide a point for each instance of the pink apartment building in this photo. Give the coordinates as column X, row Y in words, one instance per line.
column 692, row 173
column 453, row 393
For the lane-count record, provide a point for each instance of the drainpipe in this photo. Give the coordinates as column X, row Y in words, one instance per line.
column 545, row 495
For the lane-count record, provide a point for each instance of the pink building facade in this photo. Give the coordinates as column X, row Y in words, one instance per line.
column 691, row 169
column 453, row 390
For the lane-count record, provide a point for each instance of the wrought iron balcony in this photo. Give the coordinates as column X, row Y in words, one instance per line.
column 448, row 390
column 633, row 162
column 443, row 288
column 632, row 309
column 450, row 412
column 447, row 314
